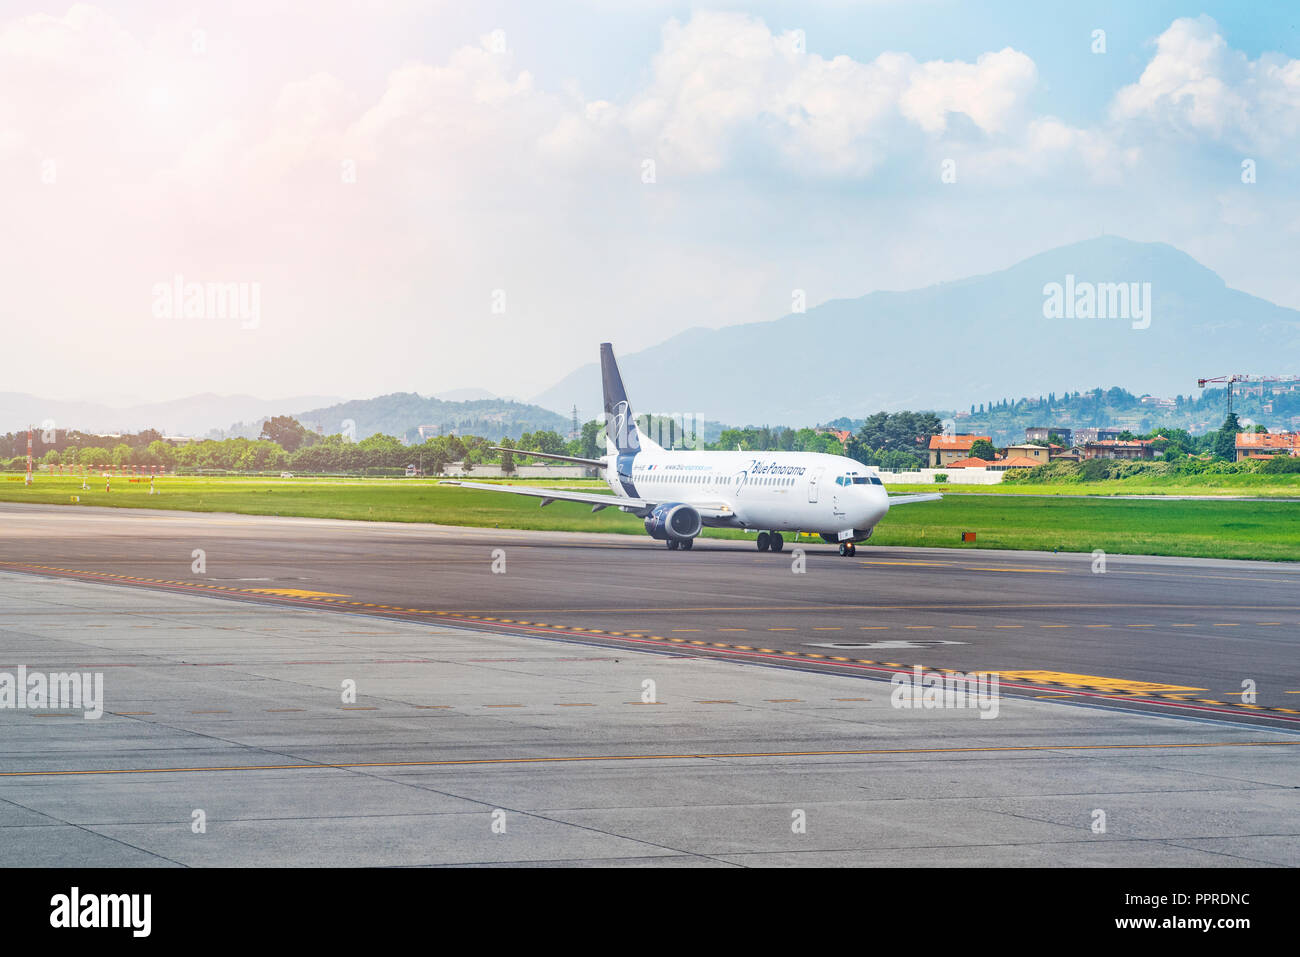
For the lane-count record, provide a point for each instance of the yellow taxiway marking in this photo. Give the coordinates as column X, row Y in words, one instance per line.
column 1017, row 606
column 295, row 593
column 1097, row 684
column 329, row 598
column 1037, row 571
column 462, row 762
column 1093, row 681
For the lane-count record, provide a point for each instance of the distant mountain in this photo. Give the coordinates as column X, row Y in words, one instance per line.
column 970, row 341
column 463, row 395
column 193, row 415
column 402, row 413
column 209, row 415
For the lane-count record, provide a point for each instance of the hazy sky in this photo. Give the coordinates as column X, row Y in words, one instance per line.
column 425, row 196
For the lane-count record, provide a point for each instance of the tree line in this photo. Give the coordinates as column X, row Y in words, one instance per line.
column 284, row 445
column 895, row 441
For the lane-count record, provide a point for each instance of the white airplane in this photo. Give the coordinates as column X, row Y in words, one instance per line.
column 679, row 493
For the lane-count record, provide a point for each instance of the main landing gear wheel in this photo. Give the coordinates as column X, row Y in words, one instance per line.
column 848, row 549
column 672, row 544
column 764, row 540
column 687, row 544
column 776, row 542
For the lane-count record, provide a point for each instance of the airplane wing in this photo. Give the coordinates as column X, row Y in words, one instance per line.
column 910, row 499
column 597, row 501
column 594, row 463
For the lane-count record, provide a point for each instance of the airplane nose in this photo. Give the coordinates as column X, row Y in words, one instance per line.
column 875, row 504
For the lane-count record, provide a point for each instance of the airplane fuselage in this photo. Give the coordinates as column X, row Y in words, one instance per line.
column 807, row 491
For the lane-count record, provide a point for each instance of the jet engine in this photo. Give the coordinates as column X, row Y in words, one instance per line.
column 673, row 521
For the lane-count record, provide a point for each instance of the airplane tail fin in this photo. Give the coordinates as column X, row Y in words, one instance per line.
column 621, row 430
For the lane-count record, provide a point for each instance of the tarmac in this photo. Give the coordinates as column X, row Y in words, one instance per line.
column 254, row 729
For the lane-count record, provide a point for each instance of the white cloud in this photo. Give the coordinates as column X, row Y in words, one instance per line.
column 723, row 85
column 61, row 77
column 85, row 42
column 1198, row 87
column 992, row 91
column 473, row 175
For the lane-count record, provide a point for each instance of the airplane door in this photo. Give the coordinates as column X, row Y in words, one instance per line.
column 813, row 476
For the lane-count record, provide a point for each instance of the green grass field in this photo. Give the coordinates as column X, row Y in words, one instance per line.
column 1261, row 486
column 1258, row 530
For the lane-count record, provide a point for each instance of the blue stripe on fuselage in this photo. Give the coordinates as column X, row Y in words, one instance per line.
column 624, row 466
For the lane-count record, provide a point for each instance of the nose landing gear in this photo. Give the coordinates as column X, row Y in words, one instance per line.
column 848, row 549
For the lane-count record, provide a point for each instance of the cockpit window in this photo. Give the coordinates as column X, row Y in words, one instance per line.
column 865, row 480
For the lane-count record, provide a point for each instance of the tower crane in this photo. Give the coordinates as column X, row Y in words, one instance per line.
column 1231, row 380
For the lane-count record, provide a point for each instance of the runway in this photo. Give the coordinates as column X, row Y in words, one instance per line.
column 344, row 694
column 1180, row 635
